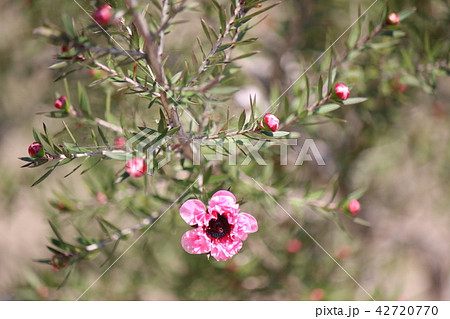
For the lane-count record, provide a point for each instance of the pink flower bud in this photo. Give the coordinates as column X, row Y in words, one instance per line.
column 271, row 122
column 342, row 91
column 136, row 167
column 120, row 142
column 103, row 15
column 36, row 150
column 393, row 19
column 317, row 294
column 60, row 102
column 294, row 246
column 101, row 198
column 354, row 207
column 343, row 252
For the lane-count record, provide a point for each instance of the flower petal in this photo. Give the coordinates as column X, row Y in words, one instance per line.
column 224, row 203
column 196, row 241
column 223, row 250
column 222, row 198
column 194, row 212
column 246, row 224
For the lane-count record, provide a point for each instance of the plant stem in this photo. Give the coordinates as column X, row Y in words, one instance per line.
column 118, row 235
column 154, row 59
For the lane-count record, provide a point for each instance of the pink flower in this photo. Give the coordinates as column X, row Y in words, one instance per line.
column 393, row 19
column 342, row 91
column 103, row 14
column 60, row 102
column 272, row 122
column 219, row 230
column 354, row 207
column 136, row 167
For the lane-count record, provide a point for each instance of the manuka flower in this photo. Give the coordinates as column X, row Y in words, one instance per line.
column 219, row 230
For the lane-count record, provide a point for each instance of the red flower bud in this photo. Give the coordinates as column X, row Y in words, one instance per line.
column 120, row 142
column 393, row 19
column 60, row 262
column 136, row 167
column 294, row 246
column 342, row 91
column 402, row 88
column 36, row 150
column 60, row 102
column 354, row 207
column 64, row 48
column 103, row 15
column 271, row 122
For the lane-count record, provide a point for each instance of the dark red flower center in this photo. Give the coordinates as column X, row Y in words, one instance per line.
column 218, row 228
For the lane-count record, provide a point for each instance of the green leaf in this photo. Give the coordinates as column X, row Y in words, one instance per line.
column 353, row 100
column 361, row 222
column 92, row 166
column 102, row 135
column 36, row 136
column 406, row 13
column 58, row 65
column 121, row 178
column 162, row 125
column 205, row 29
column 222, row 19
column 328, row 108
column 172, row 131
column 320, row 88
column 276, row 134
column 224, row 90
column 55, row 230
column 68, row 25
column 94, row 137
column 242, row 20
column 83, row 101
column 70, row 133
column 122, row 156
column 245, row 55
column 176, row 77
column 241, row 121
column 73, row 171
column 47, row 174
column 307, row 90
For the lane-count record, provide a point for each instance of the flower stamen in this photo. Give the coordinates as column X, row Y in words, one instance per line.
column 218, row 228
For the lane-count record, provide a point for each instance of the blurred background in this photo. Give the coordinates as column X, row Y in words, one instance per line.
column 396, row 147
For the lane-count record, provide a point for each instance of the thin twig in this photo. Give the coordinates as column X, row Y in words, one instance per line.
column 236, row 14
column 106, row 124
column 113, row 51
column 164, row 17
column 87, row 154
column 118, row 235
column 97, row 120
column 360, row 43
column 154, row 60
column 229, row 134
column 126, row 79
